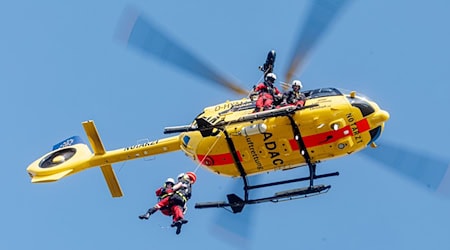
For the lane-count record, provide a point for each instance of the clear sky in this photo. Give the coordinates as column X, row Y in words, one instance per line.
column 60, row 65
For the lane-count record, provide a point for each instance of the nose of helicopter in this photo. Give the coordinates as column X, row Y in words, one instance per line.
column 379, row 117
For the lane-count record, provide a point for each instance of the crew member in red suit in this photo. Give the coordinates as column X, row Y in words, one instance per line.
column 267, row 93
column 163, row 193
column 174, row 203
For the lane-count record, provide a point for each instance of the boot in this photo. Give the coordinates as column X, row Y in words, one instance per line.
column 178, row 231
column 147, row 215
column 178, row 225
column 144, row 216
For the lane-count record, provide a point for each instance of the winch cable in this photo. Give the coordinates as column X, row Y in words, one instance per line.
column 209, row 150
column 257, row 82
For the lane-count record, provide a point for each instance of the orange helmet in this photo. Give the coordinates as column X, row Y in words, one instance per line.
column 192, row 176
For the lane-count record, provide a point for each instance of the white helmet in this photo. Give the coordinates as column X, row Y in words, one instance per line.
column 170, row 180
column 180, row 176
column 271, row 76
column 297, row 83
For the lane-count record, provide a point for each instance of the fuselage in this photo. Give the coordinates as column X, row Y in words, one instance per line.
column 230, row 139
column 335, row 124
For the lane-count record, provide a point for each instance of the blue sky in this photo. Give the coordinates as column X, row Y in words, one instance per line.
column 60, row 65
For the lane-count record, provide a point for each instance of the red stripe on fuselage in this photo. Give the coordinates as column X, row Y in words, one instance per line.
column 310, row 141
column 220, row 159
column 330, row 136
column 363, row 125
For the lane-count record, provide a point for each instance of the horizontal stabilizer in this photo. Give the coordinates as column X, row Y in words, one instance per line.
column 94, row 137
column 111, row 180
column 99, row 149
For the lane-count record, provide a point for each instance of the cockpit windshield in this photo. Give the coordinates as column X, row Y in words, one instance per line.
column 360, row 101
column 365, row 108
column 322, row 92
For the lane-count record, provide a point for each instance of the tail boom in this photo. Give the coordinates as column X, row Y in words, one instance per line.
column 72, row 159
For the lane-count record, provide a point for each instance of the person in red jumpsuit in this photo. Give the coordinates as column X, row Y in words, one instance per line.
column 163, row 193
column 267, row 93
column 175, row 203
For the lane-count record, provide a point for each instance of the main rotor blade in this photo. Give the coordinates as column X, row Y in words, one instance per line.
column 318, row 20
column 428, row 171
column 140, row 33
column 235, row 229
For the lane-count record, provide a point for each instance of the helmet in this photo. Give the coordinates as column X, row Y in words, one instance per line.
column 170, row 180
column 180, row 176
column 192, row 176
column 271, row 77
column 297, row 83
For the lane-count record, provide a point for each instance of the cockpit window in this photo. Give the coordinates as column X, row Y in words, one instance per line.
column 374, row 134
column 365, row 108
column 316, row 93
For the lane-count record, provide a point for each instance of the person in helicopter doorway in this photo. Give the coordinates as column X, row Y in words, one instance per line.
column 294, row 97
column 268, row 94
column 174, row 203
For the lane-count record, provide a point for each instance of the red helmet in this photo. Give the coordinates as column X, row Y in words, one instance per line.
column 192, row 176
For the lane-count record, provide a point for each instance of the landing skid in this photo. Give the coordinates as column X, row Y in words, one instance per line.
column 237, row 204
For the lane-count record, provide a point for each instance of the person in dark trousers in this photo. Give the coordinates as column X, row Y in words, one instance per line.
column 294, row 97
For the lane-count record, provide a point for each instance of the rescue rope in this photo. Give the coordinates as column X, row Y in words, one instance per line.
column 218, row 137
column 257, row 82
column 209, row 151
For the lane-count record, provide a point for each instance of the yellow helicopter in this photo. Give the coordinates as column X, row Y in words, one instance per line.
column 230, row 138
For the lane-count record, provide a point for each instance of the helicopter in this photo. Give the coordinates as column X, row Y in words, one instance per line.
column 231, row 139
